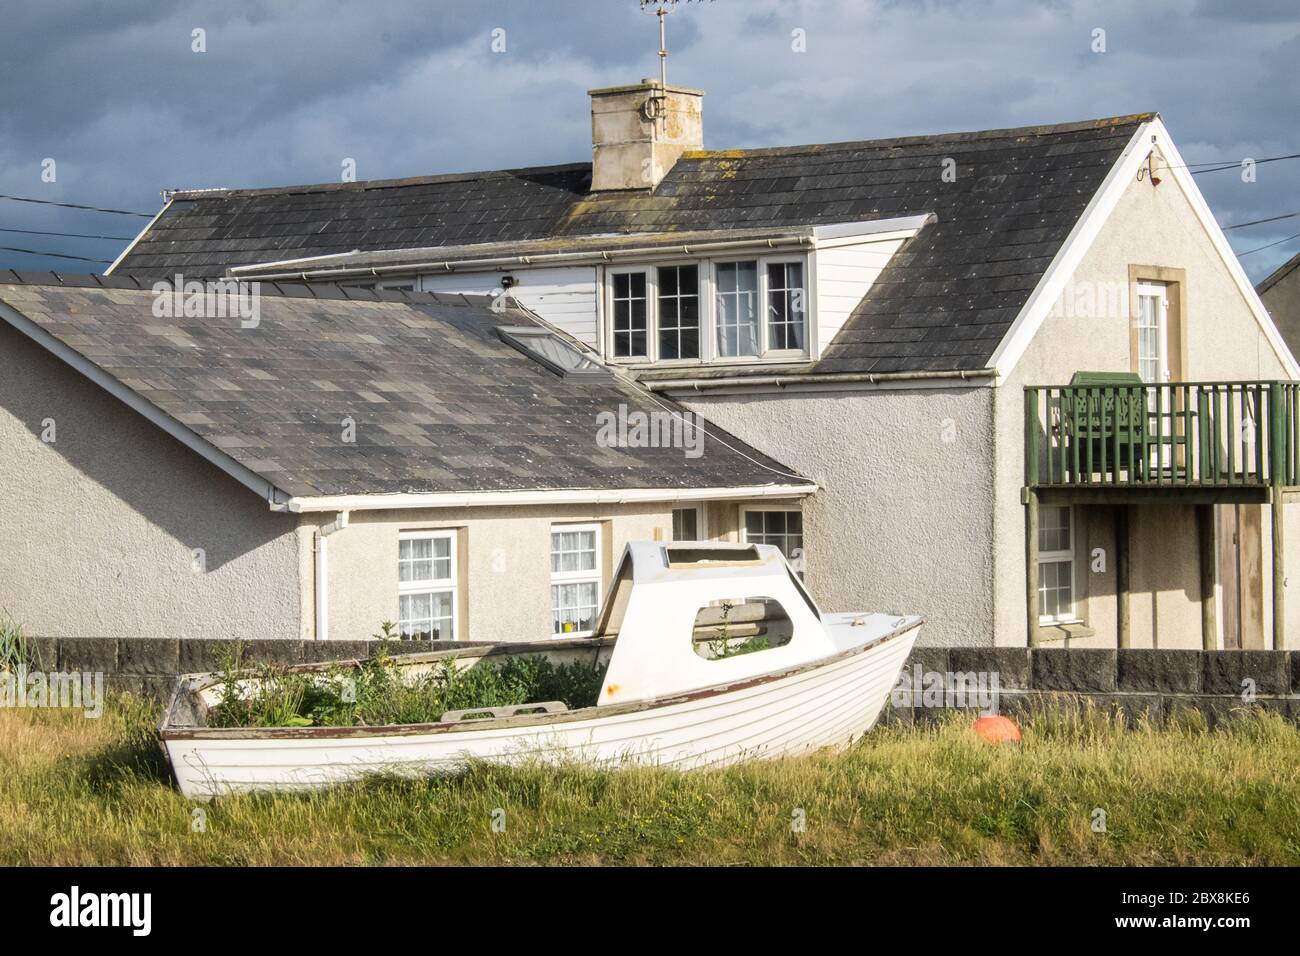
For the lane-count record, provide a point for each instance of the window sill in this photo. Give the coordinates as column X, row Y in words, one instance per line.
column 1063, row 631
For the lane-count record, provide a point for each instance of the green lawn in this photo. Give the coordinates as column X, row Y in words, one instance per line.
column 76, row 791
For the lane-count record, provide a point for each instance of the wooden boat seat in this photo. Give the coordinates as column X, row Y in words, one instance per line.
column 511, row 710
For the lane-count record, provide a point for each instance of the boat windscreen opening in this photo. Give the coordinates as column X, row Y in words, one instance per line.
column 742, row 626
column 684, row 557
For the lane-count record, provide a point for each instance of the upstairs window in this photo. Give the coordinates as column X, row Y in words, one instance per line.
column 708, row 311
column 630, row 314
column 679, row 312
column 785, row 306
column 737, row 309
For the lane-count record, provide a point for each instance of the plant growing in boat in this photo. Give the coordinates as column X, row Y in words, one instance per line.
column 377, row 693
column 761, row 625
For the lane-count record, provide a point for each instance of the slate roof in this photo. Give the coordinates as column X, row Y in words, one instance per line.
column 1278, row 274
column 944, row 302
column 441, row 404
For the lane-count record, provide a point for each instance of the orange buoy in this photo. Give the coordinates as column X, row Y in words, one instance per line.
column 997, row 729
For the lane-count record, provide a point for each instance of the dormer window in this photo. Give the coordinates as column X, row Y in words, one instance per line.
column 631, row 315
column 679, row 312
column 737, row 295
column 708, row 311
column 785, row 306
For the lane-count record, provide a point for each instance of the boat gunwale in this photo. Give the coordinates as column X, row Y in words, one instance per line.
column 184, row 686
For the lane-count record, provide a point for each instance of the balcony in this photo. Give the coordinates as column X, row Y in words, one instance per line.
column 1209, row 440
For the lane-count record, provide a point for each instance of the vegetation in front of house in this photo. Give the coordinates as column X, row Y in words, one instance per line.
column 78, row 792
column 378, row 692
column 14, row 649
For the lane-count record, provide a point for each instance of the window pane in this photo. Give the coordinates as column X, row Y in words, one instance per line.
column 573, row 551
column 573, row 607
column 427, row 616
column 785, row 310
column 1055, row 589
column 1054, row 529
column 784, row 529
column 629, row 318
column 424, row 559
column 737, row 306
column 679, row 312
column 685, row 524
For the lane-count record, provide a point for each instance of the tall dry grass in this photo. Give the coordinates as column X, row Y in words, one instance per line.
column 77, row 791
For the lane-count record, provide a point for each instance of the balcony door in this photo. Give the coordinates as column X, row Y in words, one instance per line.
column 1152, row 325
column 1153, row 332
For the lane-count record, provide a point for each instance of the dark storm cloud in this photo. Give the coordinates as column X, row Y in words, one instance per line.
column 288, row 90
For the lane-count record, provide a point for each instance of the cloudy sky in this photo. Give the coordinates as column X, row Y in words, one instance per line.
column 287, row 90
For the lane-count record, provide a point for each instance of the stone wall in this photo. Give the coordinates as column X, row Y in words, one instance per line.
column 1158, row 683
column 149, row 666
column 1155, row 682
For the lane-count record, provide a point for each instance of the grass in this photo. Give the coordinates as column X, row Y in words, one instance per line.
column 75, row 791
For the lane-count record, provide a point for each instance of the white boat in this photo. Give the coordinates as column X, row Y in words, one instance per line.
column 684, row 687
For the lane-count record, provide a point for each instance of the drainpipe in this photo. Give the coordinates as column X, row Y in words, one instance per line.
column 321, row 549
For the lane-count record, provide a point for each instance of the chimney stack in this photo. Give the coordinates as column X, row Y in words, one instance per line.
column 637, row 133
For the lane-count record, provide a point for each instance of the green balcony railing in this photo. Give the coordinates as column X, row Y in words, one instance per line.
column 1176, row 434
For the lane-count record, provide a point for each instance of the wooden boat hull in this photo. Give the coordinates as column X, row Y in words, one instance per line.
column 824, row 704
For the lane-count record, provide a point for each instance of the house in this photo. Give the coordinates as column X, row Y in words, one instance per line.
column 1280, row 293
column 897, row 324
column 350, row 458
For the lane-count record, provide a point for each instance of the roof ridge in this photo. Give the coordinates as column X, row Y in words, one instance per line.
column 980, row 134
column 368, row 184
column 432, row 179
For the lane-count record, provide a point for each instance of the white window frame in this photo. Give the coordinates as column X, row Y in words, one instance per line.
column 449, row 585
column 1060, row 557
column 595, row 575
column 765, row 352
column 650, row 316
column 746, row 510
column 1160, row 292
column 702, row 289
column 700, row 526
column 708, row 311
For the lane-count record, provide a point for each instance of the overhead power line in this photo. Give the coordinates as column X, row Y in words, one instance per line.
column 1234, row 164
column 1256, row 222
column 73, row 205
column 54, row 255
column 1268, row 246
column 67, row 235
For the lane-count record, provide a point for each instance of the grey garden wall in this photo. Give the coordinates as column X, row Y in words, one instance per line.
column 1159, row 683
column 149, row 666
column 1136, row 681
